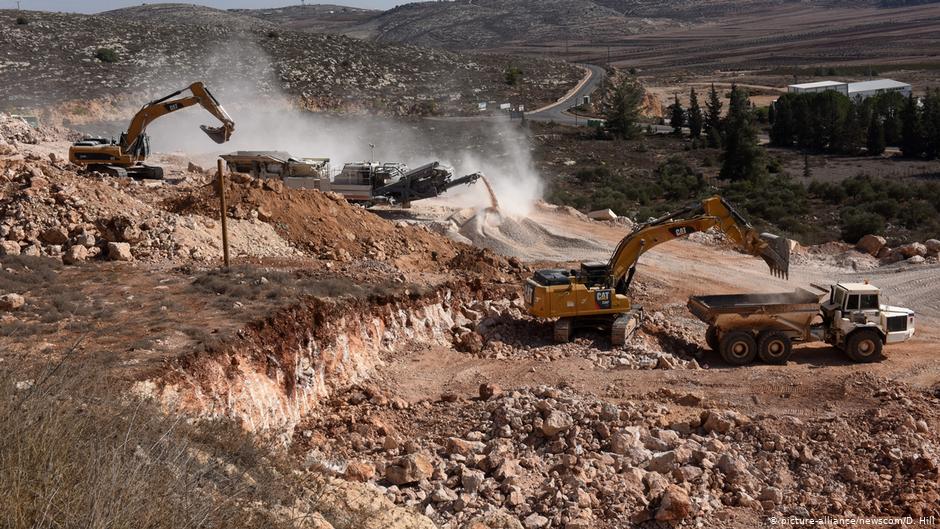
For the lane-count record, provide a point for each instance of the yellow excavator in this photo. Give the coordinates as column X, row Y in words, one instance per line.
column 597, row 295
column 126, row 156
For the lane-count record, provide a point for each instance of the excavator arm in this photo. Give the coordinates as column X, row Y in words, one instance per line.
column 134, row 139
column 713, row 212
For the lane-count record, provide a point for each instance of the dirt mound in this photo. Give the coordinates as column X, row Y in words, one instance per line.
column 522, row 238
column 325, row 224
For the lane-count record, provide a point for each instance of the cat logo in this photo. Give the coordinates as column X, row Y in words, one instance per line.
column 681, row 231
column 170, row 107
column 602, row 299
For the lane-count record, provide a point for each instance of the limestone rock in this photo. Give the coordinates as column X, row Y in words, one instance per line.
column 499, row 519
column 411, row 468
column 870, row 244
column 9, row 248
column 556, row 422
column 120, row 251
column 9, row 302
column 912, row 249
column 75, row 254
column 675, row 505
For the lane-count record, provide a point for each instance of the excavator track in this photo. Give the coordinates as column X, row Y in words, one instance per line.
column 625, row 325
column 562, row 330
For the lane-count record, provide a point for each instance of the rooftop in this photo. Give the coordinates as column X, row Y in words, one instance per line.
column 877, row 84
column 817, row 84
column 856, row 287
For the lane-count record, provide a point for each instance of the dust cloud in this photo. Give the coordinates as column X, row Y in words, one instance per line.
column 267, row 119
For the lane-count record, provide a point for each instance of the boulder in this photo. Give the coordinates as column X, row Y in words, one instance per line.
column 933, row 246
column 715, row 422
column 912, row 249
column 917, row 259
column 9, row 302
column 463, row 447
column 360, row 471
column 870, row 244
column 622, row 441
column 472, row 480
column 411, row 468
column 556, row 422
column 674, row 505
column 57, row 235
column 488, row 391
column 75, row 254
column 535, row 521
column 9, row 248
column 602, row 214
column 120, row 251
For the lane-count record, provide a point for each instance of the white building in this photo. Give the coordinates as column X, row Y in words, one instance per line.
column 865, row 89
column 819, row 86
column 859, row 90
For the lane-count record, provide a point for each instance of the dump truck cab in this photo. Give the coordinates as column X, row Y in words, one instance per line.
column 853, row 307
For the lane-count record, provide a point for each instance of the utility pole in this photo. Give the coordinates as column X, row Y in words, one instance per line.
column 223, row 213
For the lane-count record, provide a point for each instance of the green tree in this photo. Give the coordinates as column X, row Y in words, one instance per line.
column 513, row 75
column 931, row 121
column 743, row 157
column 106, row 55
column 713, row 118
column 696, row 119
column 623, row 110
column 912, row 129
column 875, row 142
column 677, row 116
column 783, row 131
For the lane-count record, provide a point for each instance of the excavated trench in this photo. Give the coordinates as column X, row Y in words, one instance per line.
column 278, row 370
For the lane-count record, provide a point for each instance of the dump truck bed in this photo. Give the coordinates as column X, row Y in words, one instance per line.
column 791, row 310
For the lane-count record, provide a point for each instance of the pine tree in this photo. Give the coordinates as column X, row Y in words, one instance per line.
column 696, row 119
column 931, row 121
column 713, row 118
column 807, row 169
column 677, row 119
column 743, row 157
column 912, row 129
column 623, row 112
column 876, row 136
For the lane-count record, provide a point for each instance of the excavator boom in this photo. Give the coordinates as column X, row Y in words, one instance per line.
column 126, row 156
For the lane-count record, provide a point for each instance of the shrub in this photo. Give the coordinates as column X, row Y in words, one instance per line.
column 74, row 452
column 21, row 21
column 513, row 76
column 106, row 55
column 856, row 223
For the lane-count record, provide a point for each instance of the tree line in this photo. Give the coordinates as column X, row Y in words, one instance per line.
column 833, row 122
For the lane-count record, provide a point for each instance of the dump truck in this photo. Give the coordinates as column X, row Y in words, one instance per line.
column 849, row 316
column 361, row 182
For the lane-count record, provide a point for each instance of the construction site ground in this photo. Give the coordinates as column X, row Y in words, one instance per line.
column 421, row 339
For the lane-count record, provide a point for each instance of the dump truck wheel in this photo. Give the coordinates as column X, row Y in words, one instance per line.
column 774, row 347
column 562, row 330
column 738, row 348
column 864, row 346
column 711, row 338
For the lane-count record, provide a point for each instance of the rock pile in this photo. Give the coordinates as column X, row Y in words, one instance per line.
column 548, row 457
column 913, row 253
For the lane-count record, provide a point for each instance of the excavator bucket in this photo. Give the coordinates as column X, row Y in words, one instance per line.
column 776, row 254
column 218, row 134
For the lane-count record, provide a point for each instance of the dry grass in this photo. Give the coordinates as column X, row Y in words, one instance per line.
column 75, row 454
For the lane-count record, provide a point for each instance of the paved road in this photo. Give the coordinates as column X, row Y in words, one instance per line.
column 557, row 111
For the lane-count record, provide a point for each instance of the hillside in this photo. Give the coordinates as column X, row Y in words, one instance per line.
column 499, row 24
column 51, row 61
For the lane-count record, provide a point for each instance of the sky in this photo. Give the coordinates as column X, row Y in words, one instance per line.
column 95, row 6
